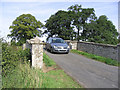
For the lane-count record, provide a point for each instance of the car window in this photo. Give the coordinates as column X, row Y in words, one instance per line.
column 57, row 41
column 50, row 40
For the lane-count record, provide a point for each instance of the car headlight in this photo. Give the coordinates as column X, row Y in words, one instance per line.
column 55, row 46
column 68, row 47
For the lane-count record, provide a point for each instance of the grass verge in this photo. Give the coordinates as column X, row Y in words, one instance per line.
column 25, row 77
column 48, row 61
column 98, row 58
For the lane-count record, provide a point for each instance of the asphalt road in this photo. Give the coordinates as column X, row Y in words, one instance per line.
column 89, row 73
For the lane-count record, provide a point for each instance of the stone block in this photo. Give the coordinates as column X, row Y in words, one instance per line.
column 36, row 46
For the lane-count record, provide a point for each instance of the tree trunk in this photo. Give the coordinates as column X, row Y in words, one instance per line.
column 78, row 34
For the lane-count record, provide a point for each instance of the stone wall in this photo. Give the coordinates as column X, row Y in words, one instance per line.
column 27, row 45
column 105, row 50
column 72, row 44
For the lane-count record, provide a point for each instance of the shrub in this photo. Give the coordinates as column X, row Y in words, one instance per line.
column 11, row 56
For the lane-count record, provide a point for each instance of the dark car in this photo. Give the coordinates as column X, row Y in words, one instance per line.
column 57, row 45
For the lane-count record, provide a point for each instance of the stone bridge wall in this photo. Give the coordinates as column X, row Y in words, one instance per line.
column 72, row 44
column 105, row 50
column 27, row 45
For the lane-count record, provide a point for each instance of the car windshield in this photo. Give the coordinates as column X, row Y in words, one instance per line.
column 58, row 41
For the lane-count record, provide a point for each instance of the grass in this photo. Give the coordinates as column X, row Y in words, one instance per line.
column 48, row 61
column 25, row 77
column 98, row 58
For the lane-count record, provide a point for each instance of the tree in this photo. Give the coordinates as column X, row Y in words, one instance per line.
column 25, row 27
column 100, row 31
column 59, row 24
column 118, row 37
column 80, row 16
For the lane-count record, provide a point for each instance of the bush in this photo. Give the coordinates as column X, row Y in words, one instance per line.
column 11, row 56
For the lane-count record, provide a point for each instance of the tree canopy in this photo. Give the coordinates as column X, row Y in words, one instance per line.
column 100, row 31
column 80, row 16
column 25, row 27
column 89, row 28
column 64, row 24
column 59, row 25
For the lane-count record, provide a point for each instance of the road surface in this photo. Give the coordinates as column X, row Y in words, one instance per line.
column 88, row 72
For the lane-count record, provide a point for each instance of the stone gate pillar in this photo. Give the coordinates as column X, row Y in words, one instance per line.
column 37, row 52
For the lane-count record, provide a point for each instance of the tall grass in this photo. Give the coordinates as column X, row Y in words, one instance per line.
column 23, row 77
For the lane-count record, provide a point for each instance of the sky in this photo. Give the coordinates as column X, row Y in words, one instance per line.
column 42, row 10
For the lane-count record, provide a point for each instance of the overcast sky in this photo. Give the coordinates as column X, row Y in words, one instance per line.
column 10, row 9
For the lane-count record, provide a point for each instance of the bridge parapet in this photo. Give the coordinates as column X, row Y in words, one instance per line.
column 105, row 50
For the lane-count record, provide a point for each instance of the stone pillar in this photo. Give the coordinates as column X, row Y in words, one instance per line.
column 37, row 52
column 24, row 46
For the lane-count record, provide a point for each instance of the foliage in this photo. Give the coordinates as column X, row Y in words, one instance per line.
column 25, row 27
column 118, row 37
column 100, row 31
column 62, row 23
column 12, row 56
column 59, row 25
column 98, row 58
column 80, row 16
column 23, row 77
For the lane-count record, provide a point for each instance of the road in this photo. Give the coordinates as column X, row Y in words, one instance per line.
column 89, row 73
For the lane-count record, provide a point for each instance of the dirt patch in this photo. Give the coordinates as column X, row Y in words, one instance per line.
column 56, row 67
column 47, row 69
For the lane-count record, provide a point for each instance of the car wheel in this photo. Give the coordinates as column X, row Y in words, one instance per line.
column 51, row 50
column 46, row 49
column 67, row 52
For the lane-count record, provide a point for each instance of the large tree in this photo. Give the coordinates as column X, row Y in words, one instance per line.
column 80, row 16
column 59, row 24
column 25, row 27
column 100, row 31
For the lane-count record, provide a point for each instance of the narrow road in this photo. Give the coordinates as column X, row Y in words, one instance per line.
column 88, row 72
